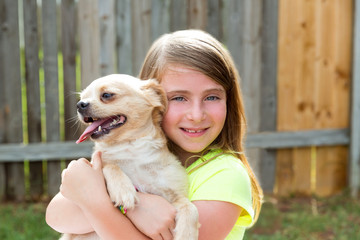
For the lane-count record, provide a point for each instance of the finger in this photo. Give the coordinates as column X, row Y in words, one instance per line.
column 96, row 160
column 85, row 161
column 167, row 234
column 157, row 237
column 63, row 173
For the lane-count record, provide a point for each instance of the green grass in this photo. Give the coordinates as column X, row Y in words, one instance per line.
column 337, row 217
column 23, row 222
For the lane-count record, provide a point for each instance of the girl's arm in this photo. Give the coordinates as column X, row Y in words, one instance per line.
column 84, row 206
column 216, row 218
column 66, row 217
column 83, row 185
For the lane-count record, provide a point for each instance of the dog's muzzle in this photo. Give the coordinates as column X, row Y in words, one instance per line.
column 82, row 107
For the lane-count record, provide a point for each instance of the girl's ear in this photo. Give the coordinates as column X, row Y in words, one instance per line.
column 155, row 94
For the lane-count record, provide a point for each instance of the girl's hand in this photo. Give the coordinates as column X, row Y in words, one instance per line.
column 82, row 181
column 153, row 216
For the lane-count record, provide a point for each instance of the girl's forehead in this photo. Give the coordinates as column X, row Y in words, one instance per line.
column 179, row 68
column 182, row 78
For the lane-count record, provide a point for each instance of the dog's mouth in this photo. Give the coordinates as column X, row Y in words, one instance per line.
column 101, row 126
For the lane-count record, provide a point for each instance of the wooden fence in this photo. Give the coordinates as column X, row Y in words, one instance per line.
column 51, row 50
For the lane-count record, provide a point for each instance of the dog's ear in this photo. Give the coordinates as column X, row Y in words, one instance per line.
column 157, row 97
column 155, row 94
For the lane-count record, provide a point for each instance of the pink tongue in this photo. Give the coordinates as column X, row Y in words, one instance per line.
column 90, row 129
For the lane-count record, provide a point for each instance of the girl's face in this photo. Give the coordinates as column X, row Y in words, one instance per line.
column 196, row 109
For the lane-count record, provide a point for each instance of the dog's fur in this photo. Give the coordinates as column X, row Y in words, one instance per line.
column 135, row 154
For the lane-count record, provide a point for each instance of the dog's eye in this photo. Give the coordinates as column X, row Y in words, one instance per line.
column 106, row 96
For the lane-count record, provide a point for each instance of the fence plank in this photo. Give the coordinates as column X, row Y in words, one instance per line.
column 214, row 19
column 197, row 16
column 179, row 15
column 268, row 82
column 267, row 140
column 2, row 96
column 354, row 155
column 123, row 37
column 160, row 18
column 50, row 45
column 289, row 139
column 10, row 61
column 33, row 93
column 68, row 41
column 50, row 151
column 141, row 32
column 89, row 41
column 107, row 36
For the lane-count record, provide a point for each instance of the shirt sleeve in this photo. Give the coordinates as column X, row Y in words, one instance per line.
column 224, row 179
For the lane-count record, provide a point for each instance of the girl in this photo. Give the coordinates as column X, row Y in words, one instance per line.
column 205, row 125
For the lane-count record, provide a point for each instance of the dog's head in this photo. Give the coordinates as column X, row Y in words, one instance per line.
column 118, row 107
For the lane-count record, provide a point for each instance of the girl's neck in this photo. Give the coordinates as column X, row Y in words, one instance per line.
column 188, row 158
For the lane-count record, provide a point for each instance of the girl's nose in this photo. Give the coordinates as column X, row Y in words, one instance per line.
column 196, row 112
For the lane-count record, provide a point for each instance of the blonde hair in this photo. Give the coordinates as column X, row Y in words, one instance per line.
column 200, row 51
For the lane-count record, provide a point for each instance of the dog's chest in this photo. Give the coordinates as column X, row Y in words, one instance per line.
column 142, row 174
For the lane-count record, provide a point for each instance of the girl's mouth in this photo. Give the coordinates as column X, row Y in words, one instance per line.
column 194, row 131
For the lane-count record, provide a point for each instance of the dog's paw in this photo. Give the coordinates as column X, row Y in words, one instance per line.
column 182, row 232
column 187, row 224
column 123, row 195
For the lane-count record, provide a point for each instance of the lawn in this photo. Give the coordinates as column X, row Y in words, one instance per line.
column 24, row 222
column 337, row 217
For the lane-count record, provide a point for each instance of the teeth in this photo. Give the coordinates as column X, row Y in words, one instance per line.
column 99, row 128
column 192, row 131
column 113, row 123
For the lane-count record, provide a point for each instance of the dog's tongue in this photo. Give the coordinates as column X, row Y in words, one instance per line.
column 90, row 129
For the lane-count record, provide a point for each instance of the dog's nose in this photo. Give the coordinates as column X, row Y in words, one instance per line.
column 81, row 105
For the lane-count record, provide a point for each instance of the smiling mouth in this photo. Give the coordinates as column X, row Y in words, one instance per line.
column 101, row 126
column 194, row 131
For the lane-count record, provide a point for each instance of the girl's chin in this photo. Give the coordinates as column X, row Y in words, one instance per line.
column 192, row 149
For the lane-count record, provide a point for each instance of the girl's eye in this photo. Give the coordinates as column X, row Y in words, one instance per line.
column 212, row 98
column 106, row 96
column 178, row 99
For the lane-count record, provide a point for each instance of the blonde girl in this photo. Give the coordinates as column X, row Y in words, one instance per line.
column 205, row 125
column 200, row 52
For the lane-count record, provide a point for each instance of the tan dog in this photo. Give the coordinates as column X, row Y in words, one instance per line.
column 124, row 115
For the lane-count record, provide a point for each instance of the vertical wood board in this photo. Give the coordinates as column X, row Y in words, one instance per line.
column 15, row 188
column 89, row 41
column 69, row 49
column 107, row 36
column 313, row 86
column 179, row 15
column 33, row 93
column 197, row 14
column 124, row 37
column 160, row 18
column 50, row 46
column 268, row 91
column 214, row 24
column 141, row 32
column 354, row 155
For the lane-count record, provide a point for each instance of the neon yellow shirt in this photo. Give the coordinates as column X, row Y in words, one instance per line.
column 223, row 179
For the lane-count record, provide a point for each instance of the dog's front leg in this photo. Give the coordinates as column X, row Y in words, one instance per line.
column 120, row 188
